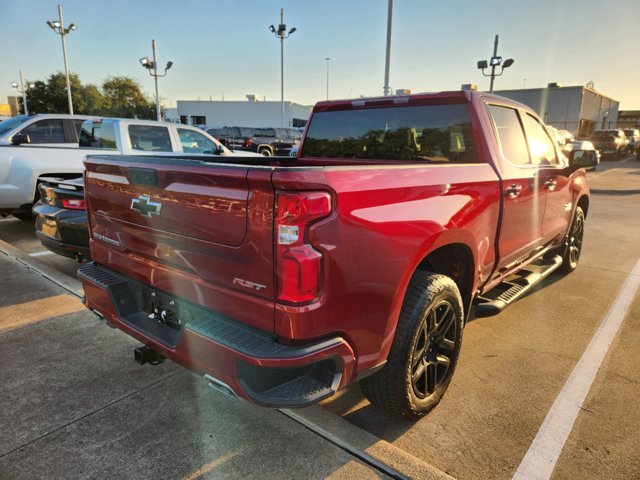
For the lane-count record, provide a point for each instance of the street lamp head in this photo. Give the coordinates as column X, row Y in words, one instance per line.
column 482, row 64
column 73, row 26
column 169, row 65
column 292, row 30
column 495, row 61
column 56, row 24
column 31, row 85
column 145, row 62
column 14, row 84
column 508, row 62
column 272, row 28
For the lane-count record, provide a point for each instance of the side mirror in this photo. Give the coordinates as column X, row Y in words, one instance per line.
column 583, row 158
column 20, row 138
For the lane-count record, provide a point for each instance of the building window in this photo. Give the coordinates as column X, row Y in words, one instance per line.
column 184, row 119
column 299, row 123
column 198, row 120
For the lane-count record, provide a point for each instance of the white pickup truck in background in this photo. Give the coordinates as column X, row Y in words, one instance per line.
column 23, row 162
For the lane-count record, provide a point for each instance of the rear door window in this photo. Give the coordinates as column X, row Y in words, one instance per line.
column 509, row 133
column 150, row 138
column 50, row 130
column 428, row 133
column 97, row 134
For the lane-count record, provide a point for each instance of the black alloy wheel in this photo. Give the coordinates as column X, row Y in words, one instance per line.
column 574, row 242
column 433, row 349
column 425, row 349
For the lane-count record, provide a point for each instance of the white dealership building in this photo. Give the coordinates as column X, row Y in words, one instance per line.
column 249, row 113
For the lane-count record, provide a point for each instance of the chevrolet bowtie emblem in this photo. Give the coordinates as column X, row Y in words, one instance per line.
column 145, row 207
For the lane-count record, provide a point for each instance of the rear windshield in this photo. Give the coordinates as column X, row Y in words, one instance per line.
column 430, row 133
column 97, row 134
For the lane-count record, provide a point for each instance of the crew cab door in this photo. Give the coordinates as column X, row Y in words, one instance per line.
column 553, row 177
column 523, row 195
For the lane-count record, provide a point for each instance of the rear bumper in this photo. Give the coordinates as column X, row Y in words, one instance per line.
column 62, row 231
column 235, row 358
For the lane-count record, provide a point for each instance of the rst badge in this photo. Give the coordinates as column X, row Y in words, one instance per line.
column 145, row 207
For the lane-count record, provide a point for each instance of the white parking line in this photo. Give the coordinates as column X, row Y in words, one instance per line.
column 543, row 453
column 41, row 254
column 8, row 219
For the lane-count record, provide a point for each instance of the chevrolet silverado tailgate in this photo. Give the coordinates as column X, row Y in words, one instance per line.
column 200, row 231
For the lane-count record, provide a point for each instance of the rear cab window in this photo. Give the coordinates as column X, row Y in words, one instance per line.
column 98, row 134
column 422, row 133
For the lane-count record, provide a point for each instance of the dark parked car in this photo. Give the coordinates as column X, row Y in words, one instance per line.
column 274, row 141
column 609, row 142
column 234, row 138
column 61, row 217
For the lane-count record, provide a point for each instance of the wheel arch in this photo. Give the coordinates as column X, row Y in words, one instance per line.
column 455, row 260
column 583, row 202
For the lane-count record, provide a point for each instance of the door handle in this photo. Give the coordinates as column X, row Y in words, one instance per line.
column 513, row 190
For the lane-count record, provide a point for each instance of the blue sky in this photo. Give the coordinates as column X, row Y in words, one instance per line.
column 223, row 47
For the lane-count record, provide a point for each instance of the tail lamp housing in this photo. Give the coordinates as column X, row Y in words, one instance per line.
column 299, row 265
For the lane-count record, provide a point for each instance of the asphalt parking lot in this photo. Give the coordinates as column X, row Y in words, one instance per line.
column 74, row 404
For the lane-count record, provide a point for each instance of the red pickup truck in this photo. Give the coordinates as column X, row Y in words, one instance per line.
column 283, row 280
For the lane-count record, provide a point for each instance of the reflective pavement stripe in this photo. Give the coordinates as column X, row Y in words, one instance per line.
column 41, row 254
column 545, row 450
column 23, row 314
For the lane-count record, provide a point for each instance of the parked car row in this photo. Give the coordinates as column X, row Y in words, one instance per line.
column 616, row 142
column 265, row 141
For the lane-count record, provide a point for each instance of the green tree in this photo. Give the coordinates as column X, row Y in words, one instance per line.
column 124, row 98
column 116, row 97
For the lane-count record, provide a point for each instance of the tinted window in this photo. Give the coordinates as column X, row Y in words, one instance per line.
column 265, row 132
column 434, row 133
column 509, row 134
column 77, row 123
column 50, row 130
column 540, row 144
column 150, row 138
column 195, row 142
column 97, row 134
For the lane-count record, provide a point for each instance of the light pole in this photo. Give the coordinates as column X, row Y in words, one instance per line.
column 327, row 59
column 388, row 56
column 281, row 33
column 153, row 65
column 494, row 62
column 23, row 92
column 58, row 27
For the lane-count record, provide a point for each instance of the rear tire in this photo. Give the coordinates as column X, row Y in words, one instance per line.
column 266, row 152
column 425, row 349
column 574, row 242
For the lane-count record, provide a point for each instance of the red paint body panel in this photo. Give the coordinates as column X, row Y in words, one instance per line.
column 214, row 242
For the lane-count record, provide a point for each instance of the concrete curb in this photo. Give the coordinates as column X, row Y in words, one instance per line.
column 343, row 433
column 72, row 285
column 601, row 191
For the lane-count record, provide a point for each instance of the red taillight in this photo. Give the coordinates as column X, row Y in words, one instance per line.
column 247, row 143
column 299, row 264
column 74, row 203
